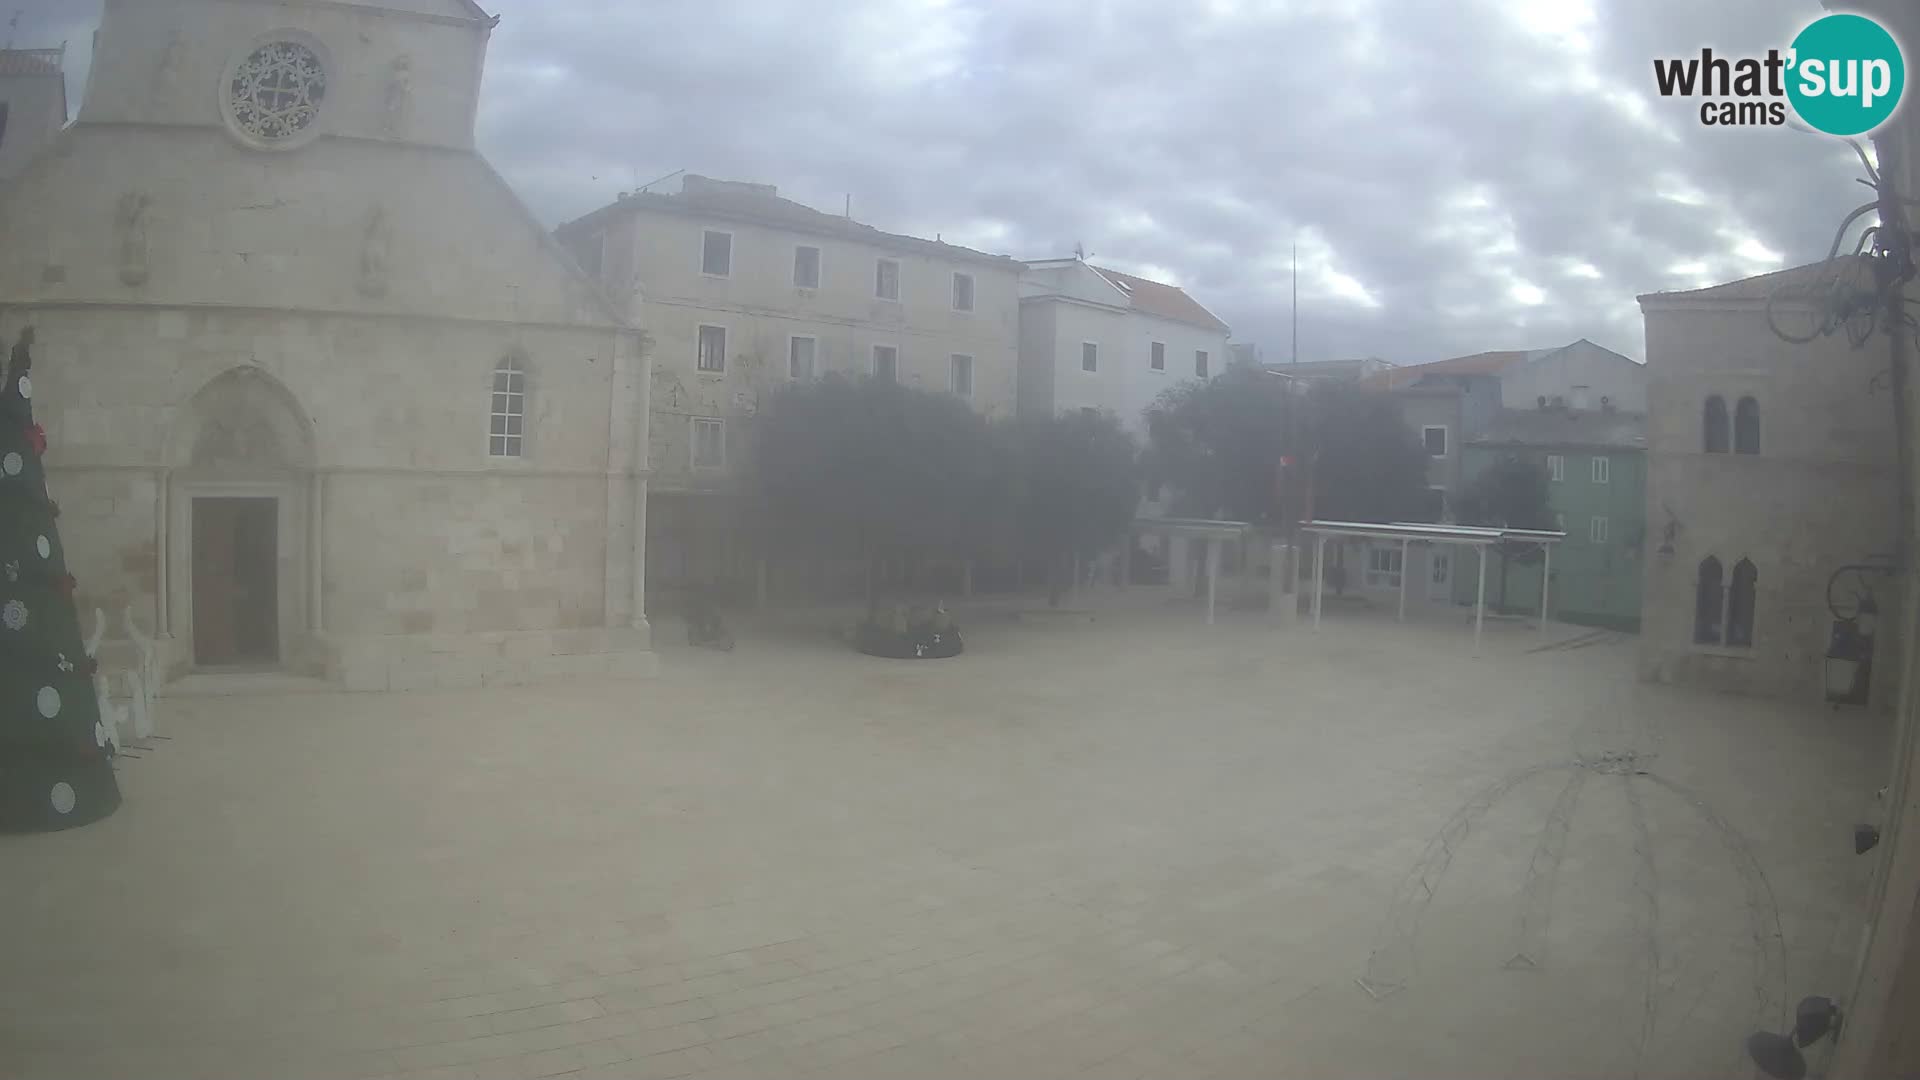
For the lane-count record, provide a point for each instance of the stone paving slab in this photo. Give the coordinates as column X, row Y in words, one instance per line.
column 1138, row 847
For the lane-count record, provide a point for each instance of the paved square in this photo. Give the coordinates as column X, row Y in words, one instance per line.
column 1136, row 847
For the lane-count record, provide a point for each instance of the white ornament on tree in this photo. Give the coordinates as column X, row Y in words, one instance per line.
column 48, row 701
column 43, row 546
column 12, row 464
column 26, row 387
column 14, row 615
column 62, row 798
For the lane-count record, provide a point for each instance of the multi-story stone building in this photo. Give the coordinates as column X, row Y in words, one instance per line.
column 1770, row 467
column 743, row 291
column 323, row 397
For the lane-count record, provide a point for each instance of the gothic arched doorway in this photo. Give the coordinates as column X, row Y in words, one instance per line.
column 242, row 460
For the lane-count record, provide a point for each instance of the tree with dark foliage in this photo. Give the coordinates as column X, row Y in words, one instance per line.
column 1219, row 445
column 56, row 768
column 868, row 466
column 1512, row 493
column 1074, row 486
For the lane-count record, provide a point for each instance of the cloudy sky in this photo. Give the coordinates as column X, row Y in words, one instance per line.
column 1498, row 176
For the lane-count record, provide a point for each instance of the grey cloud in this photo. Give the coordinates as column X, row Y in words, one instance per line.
column 1028, row 127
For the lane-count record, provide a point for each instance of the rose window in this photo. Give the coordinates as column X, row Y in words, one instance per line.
column 276, row 92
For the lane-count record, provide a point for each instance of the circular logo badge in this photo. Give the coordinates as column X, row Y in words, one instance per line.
column 1846, row 75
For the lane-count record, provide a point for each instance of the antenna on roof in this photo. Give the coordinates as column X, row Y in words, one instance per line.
column 849, row 211
column 650, row 183
column 1079, row 251
column 1296, row 303
column 13, row 27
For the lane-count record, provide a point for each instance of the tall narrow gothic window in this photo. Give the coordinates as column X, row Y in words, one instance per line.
column 507, row 430
column 1707, row 600
column 1740, row 605
column 1746, row 426
column 1713, row 423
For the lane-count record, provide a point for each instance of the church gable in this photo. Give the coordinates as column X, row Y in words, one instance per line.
column 275, row 76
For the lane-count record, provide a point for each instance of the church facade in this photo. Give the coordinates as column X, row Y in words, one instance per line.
column 323, row 396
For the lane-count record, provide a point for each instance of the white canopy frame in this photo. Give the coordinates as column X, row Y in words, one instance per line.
column 1212, row 533
column 1477, row 537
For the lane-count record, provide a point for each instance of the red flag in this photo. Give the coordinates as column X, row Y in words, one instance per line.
column 37, row 438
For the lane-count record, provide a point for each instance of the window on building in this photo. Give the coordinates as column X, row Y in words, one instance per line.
column 506, row 431
column 962, row 292
column 709, row 443
column 1435, row 436
column 1434, row 506
column 716, row 253
column 711, row 351
column 1740, row 605
column 886, row 362
column 1582, row 397
column 1708, row 597
column 960, row 374
column 806, row 267
column 1746, row 426
column 1158, row 361
column 1200, row 363
column 886, row 279
column 1602, row 469
column 1383, row 567
column 1089, row 356
column 1597, row 530
column 801, row 352
column 1713, row 425
column 1556, row 468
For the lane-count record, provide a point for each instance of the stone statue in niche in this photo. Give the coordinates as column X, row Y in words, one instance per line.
column 376, row 254
column 399, row 96
column 131, row 224
column 166, row 78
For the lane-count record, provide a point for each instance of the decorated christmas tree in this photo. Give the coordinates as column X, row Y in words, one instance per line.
column 56, row 762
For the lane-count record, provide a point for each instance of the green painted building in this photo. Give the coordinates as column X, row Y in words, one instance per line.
column 1596, row 465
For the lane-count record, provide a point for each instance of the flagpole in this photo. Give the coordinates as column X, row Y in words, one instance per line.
column 1296, row 303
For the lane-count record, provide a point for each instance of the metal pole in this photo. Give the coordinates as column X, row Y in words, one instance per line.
column 1403, row 579
column 1319, row 575
column 1480, row 600
column 1546, row 581
column 1213, row 573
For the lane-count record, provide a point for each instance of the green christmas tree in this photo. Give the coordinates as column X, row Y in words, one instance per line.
column 56, row 763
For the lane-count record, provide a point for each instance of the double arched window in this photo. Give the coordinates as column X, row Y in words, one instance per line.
column 1723, row 610
column 1740, row 434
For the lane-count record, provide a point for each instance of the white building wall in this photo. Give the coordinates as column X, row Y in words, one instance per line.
column 1605, row 374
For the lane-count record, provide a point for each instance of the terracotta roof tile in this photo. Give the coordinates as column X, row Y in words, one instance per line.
column 1166, row 301
column 1480, row 363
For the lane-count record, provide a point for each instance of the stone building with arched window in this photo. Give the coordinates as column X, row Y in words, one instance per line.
column 323, row 396
column 1770, row 466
